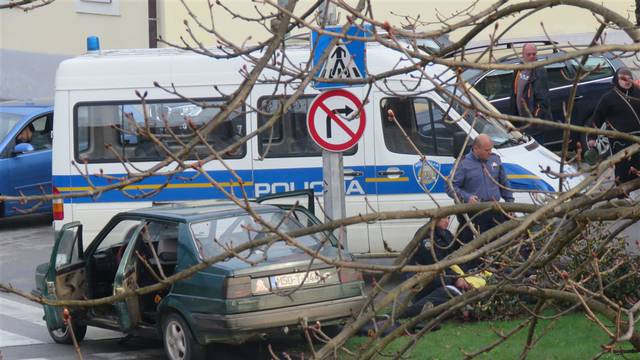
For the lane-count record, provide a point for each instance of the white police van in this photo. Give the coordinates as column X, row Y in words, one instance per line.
column 95, row 104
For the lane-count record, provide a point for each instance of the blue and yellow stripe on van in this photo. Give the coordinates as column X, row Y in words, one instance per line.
column 261, row 182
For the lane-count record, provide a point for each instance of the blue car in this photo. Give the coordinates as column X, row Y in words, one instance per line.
column 25, row 155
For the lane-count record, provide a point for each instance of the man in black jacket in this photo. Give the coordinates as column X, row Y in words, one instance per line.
column 530, row 93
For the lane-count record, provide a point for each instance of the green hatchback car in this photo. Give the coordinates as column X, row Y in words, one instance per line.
column 269, row 289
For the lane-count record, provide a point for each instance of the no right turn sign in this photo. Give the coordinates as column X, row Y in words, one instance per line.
column 336, row 120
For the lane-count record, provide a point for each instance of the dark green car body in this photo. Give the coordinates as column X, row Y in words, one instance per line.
column 266, row 290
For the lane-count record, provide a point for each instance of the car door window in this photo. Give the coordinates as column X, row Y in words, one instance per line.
column 121, row 233
column 597, row 67
column 496, row 85
column 422, row 121
column 41, row 133
column 558, row 75
column 68, row 251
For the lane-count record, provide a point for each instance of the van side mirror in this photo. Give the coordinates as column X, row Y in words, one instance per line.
column 23, row 148
column 458, row 142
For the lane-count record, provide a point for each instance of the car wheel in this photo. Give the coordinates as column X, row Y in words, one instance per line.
column 178, row 341
column 63, row 335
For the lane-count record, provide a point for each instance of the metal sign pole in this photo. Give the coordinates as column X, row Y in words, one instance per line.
column 334, row 196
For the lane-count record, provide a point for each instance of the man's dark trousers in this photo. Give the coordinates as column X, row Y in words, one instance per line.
column 482, row 221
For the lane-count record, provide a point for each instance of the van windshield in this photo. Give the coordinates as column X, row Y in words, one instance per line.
column 7, row 122
column 215, row 235
column 481, row 123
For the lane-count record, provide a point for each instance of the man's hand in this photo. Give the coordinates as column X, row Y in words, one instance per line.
column 473, row 199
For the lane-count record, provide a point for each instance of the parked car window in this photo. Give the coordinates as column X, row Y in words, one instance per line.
column 289, row 136
column 558, row 75
column 41, row 138
column 164, row 237
column 172, row 123
column 121, row 233
column 7, row 122
column 213, row 236
column 597, row 66
column 67, row 252
column 423, row 121
column 497, row 84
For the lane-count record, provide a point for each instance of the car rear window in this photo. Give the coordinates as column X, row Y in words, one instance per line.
column 216, row 235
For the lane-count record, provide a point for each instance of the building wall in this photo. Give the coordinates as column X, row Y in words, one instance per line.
column 557, row 20
column 33, row 43
column 59, row 29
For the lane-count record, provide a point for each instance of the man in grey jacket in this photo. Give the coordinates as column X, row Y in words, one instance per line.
column 530, row 93
column 480, row 177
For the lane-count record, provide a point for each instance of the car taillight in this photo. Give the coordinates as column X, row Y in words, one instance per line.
column 237, row 287
column 349, row 275
column 58, row 206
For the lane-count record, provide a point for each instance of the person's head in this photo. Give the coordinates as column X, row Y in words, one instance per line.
column 26, row 134
column 482, row 146
column 529, row 53
column 442, row 223
column 623, row 79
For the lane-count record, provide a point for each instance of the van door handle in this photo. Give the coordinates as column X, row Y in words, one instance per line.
column 354, row 173
column 391, row 172
column 578, row 98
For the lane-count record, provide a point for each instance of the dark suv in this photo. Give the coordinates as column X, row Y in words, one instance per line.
column 496, row 85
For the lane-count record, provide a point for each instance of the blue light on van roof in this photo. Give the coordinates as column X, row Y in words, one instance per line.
column 93, row 43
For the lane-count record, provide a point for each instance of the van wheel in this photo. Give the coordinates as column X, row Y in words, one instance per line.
column 178, row 341
column 63, row 335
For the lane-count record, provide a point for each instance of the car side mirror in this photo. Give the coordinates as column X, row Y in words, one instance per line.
column 23, row 148
column 459, row 138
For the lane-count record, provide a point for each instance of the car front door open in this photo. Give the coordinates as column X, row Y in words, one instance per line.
column 66, row 276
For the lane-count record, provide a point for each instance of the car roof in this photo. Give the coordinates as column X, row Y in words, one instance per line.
column 190, row 212
column 26, row 107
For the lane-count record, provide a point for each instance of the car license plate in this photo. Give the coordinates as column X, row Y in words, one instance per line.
column 295, row 279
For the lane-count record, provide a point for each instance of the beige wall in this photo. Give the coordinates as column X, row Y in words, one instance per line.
column 58, row 29
column 557, row 20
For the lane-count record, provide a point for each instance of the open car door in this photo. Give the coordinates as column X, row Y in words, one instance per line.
column 66, row 277
column 126, row 280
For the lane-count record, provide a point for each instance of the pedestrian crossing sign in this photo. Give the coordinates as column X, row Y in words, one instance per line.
column 346, row 60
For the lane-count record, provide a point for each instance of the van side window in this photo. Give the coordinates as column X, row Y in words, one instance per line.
column 289, row 136
column 107, row 132
column 423, row 121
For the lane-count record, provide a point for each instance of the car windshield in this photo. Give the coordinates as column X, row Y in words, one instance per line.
column 481, row 123
column 214, row 235
column 7, row 122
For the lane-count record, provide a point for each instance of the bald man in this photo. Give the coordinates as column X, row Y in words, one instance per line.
column 480, row 177
column 530, row 93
